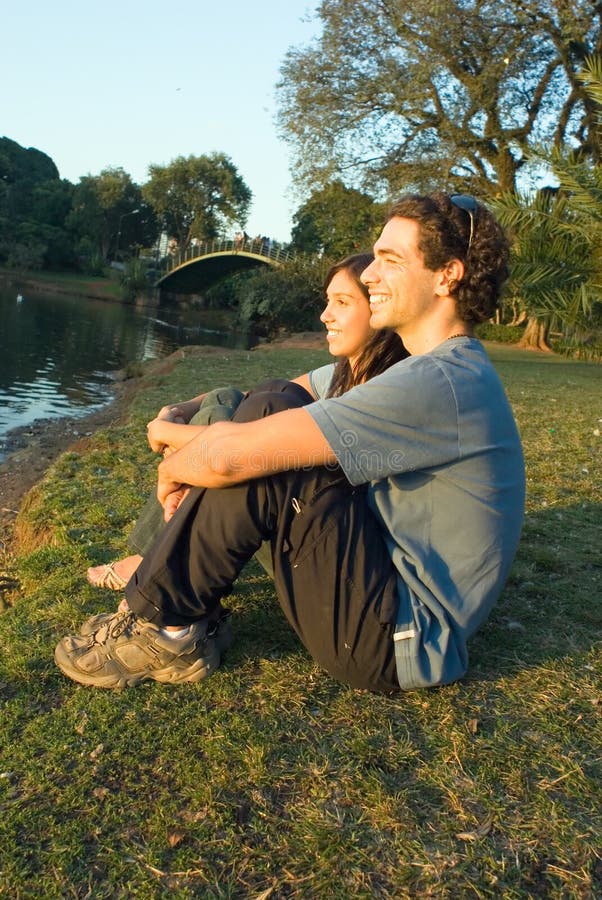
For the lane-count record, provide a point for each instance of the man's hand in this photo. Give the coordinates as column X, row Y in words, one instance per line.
column 230, row 452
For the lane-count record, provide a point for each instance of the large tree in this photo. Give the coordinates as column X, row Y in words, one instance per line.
column 198, row 196
column 109, row 214
column 446, row 91
column 336, row 220
column 33, row 205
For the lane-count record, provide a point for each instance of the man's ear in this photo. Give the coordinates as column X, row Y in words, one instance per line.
column 450, row 275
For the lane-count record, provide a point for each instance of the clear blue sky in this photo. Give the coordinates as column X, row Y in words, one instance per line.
column 132, row 83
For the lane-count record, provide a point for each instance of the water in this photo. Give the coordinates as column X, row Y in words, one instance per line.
column 57, row 352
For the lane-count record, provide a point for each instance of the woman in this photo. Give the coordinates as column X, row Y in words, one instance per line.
column 362, row 353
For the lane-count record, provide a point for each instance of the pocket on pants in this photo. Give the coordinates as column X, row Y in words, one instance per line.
column 306, row 547
column 313, row 519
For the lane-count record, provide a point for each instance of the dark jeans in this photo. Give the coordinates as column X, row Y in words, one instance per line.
column 333, row 575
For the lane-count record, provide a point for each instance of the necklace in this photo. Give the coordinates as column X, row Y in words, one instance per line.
column 460, row 334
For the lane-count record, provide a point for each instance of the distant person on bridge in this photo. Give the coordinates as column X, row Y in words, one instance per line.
column 393, row 510
column 362, row 354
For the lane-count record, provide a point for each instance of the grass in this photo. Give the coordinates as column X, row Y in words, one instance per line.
column 272, row 780
column 68, row 283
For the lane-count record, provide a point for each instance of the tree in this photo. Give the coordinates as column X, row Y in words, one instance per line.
column 33, row 205
column 555, row 262
column 51, row 204
column 451, row 92
column 198, row 196
column 557, row 248
column 24, row 165
column 336, row 220
column 108, row 209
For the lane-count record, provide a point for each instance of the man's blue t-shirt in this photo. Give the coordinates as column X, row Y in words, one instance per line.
column 435, row 438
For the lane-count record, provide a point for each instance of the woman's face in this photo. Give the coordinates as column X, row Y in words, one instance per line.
column 346, row 316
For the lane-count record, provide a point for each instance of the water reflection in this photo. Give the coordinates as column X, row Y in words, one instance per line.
column 56, row 352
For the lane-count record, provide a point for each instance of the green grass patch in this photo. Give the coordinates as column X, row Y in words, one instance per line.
column 69, row 282
column 271, row 779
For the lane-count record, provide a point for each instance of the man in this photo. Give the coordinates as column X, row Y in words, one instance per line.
column 393, row 511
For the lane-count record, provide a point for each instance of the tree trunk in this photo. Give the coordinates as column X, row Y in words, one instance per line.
column 518, row 315
column 536, row 335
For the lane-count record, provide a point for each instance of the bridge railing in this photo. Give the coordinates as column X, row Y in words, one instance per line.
column 250, row 245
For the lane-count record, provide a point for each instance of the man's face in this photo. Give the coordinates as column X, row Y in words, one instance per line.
column 402, row 290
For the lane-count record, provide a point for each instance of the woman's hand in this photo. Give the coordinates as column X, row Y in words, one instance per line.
column 169, row 493
column 172, row 414
column 181, row 413
column 156, row 439
column 173, row 501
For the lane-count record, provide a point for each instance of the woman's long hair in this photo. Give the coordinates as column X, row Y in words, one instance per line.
column 383, row 348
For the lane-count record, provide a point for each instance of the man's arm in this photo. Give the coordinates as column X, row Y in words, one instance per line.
column 230, row 452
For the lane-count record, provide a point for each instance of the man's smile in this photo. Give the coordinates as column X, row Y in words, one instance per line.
column 376, row 299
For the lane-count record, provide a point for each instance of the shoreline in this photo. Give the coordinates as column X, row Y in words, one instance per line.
column 89, row 288
column 31, row 449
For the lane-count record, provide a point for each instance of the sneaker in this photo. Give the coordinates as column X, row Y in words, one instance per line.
column 92, row 624
column 223, row 630
column 126, row 650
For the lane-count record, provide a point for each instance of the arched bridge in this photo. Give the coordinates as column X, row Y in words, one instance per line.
column 203, row 264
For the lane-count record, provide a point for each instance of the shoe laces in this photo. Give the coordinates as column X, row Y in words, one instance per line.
column 121, row 622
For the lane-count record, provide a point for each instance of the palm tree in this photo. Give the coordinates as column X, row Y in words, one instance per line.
column 556, row 271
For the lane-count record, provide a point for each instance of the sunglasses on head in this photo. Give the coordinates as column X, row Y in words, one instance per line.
column 469, row 205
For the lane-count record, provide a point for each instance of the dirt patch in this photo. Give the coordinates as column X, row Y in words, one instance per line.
column 301, row 340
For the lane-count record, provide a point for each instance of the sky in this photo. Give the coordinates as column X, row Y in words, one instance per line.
column 128, row 84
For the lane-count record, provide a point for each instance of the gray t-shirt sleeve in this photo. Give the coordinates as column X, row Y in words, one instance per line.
column 403, row 420
column 320, row 379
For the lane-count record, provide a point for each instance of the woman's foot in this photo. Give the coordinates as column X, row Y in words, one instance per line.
column 115, row 575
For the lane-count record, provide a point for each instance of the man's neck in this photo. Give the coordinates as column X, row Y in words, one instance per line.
column 424, row 339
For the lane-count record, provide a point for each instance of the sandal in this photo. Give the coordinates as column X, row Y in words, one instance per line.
column 108, row 578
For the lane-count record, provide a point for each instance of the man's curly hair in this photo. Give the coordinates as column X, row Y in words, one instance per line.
column 445, row 235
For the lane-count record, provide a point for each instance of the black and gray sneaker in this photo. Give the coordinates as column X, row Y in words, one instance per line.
column 126, row 650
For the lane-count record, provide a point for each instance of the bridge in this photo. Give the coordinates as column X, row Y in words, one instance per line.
column 203, row 264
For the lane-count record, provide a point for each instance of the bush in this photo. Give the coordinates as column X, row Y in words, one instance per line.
column 23, row 257
column 579, row 344
column 502, row 334
column 94, row 265
column 134, row 280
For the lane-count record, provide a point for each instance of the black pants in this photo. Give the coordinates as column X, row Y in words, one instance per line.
column 333, row 574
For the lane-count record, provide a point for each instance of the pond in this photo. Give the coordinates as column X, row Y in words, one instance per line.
column 57, row 352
